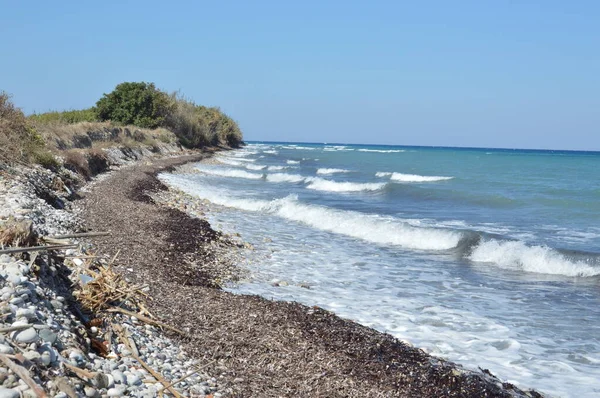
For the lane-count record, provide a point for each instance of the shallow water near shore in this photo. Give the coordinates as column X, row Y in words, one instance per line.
column 485, row 257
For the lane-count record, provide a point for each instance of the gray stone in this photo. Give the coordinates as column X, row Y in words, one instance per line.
column 25, row 336
column 6, row 349
column 114, row 392
column 119, row 377
column 8, row 393
column 133, row 380
column 48, row 336
column 32, row 355
column 16, row 301
column 26, row 313
column 90, row 392
column 57, row 305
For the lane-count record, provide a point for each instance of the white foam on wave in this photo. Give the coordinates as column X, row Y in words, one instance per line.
column 284, row 177
column 320, row 184
column 401, row 177
column 357, row 225
column 272, row 152
column 538, row 259
column 382, row 150
column 417, row 178
column 332, row 171
column 235, row 173
column 230, row 161
column 255, row 167
column 275, row 168
column 293, row 162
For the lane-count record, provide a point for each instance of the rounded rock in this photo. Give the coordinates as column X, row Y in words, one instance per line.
column 8, row 393
column 25, row 336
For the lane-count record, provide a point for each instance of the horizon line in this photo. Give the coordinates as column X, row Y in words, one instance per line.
column 430, row 146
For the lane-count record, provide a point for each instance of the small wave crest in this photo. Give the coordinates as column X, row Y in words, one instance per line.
column 275, row 168
column 255, row 167
column 401, row 177
column 320, row 184
column 234, row 173
column 382, row 150
column 293, row 162
column 332, row 171
column 538, row 259
column 284, row 177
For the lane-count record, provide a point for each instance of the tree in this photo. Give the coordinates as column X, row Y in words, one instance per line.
column 137, row 103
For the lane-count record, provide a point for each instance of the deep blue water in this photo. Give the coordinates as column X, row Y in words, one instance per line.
column 487, row 257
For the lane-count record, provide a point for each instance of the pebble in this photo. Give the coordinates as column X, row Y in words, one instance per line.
column 8, row 393
column 25, row 336
column 48, row 336
column 55, row 332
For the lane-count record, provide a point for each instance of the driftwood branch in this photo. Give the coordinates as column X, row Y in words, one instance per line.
column 24, row 375
column 146, row 319
column 36, row 248
column 14, row 328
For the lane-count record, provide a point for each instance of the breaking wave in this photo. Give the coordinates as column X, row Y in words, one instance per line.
column 382, row 150
column 293, row 162
column 401, row 177
column 538, row 259
column 255, row 167
column 474, row 246
column 230, row 173
column 283, row 177
column 321, row 184
column 332, row 171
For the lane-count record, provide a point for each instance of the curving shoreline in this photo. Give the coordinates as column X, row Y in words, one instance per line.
column 253, row 346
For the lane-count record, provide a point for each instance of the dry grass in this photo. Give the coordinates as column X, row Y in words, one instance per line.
column 62, row 136
column 107, row 289
column 17, row 233
column 19, row 142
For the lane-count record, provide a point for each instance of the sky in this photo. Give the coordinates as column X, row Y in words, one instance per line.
column 509, row 74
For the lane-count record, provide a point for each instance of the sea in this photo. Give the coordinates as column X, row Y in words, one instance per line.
column 489, row 258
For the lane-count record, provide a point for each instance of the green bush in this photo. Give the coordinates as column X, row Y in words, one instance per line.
column 140, row 104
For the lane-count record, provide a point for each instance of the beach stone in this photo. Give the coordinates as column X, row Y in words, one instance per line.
column 25, row 336
column 114, row 392
column 90, row 392
column 27, row 313
column 48, row 336
column 16, row 301
column 32, row 355
column 6, row 349
column 133, row 380
column 8, row 393
column 119, row 377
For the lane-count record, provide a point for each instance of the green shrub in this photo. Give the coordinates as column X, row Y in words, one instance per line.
column 140, row 104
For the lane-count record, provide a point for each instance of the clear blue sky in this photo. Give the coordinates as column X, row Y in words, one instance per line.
column 461, row 73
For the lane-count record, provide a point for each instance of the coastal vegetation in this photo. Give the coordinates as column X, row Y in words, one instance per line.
column 133, row 115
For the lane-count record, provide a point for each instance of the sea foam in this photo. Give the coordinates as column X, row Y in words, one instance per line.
column 538, row 259
column 401, row 177
column 320, row 184
column 332, row 171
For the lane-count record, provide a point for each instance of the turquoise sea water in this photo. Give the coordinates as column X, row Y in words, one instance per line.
column 486, row 257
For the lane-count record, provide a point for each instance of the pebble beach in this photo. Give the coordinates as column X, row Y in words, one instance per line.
column 189, row 338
